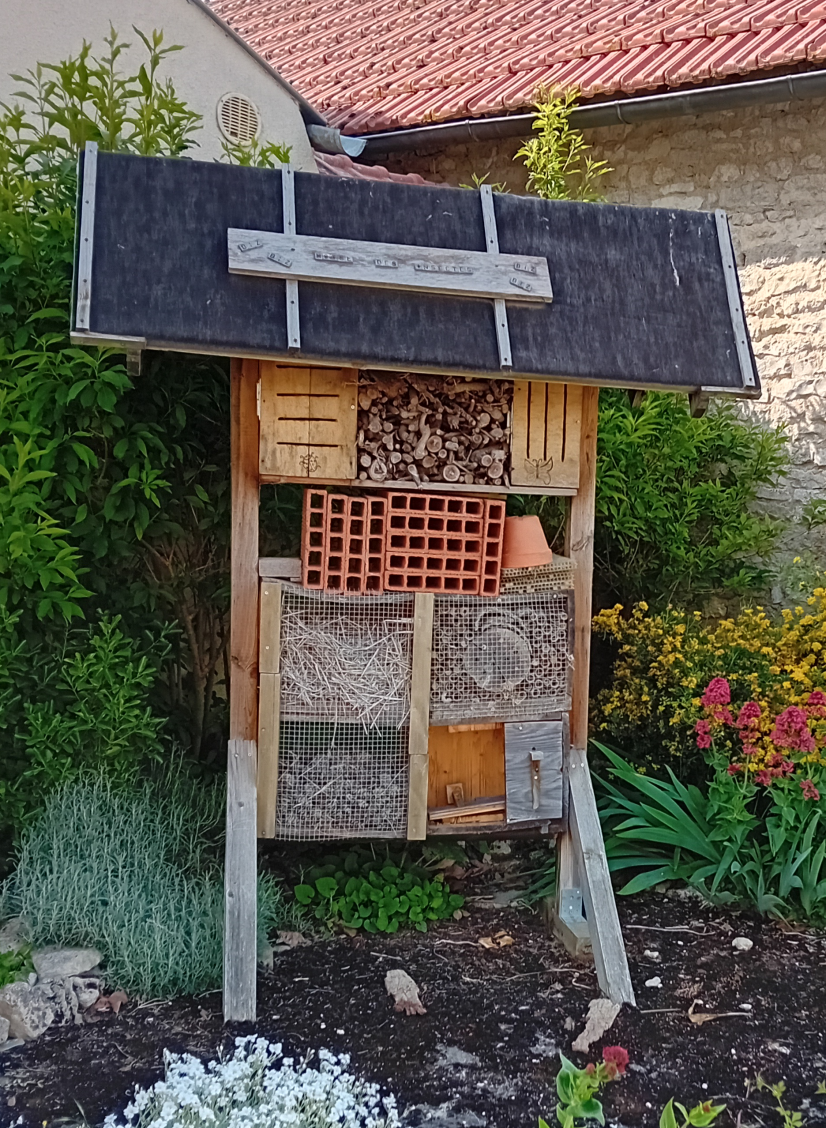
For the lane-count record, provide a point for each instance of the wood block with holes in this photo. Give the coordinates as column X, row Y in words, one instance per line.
column 547, row 420
column 308, row 423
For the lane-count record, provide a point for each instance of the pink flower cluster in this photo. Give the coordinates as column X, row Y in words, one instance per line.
column 809, row 790
column 791, row 730
column 717, row 692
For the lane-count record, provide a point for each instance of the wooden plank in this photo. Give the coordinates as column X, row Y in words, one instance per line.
column 481, row 806
column 473, row 755
column 441, row 487
column 420, row 715
column 269, row 734
column 240, row 918
column 597, row 891
column 533, row 770
column 396, row 266
column 334, row 421
column 545, row 440
column 240, row 885
column 269, row 706
column 579, row 546
column 280, row 568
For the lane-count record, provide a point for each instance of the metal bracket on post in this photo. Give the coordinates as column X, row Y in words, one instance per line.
column 503, row 337
column 570, row 924
column 83, row 308
column 288, row 203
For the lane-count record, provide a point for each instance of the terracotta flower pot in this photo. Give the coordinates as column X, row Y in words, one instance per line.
column 524, row 544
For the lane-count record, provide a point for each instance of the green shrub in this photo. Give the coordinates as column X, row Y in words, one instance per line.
column 15, row 965
column 75, row 701
column 134, row 869
column 358, row 890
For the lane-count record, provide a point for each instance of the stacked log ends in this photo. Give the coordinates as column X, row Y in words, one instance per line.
column 414, row 428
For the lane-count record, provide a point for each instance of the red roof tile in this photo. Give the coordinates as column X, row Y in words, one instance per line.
column 370, row 65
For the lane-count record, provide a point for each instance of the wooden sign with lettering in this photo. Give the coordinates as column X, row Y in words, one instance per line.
column 354, row 262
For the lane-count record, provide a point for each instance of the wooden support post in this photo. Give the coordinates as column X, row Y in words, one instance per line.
column 241, row 869
column 582, row 879
column 269, row 706
column 420, row 715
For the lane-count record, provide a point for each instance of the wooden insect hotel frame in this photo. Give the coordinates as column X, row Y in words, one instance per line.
column 412, row 356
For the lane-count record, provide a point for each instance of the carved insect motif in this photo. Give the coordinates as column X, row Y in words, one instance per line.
column 309, row 463
column 542, row 469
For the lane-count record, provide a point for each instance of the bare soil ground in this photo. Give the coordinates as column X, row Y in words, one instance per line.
column 486, row 1051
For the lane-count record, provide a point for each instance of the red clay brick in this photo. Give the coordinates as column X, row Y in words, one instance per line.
column 342, row 545
column 313, row 539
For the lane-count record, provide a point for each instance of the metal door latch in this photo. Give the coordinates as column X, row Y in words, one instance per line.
column 536, row 763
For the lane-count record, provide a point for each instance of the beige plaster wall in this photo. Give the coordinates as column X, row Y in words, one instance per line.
column 766, row 166
column 212, row 64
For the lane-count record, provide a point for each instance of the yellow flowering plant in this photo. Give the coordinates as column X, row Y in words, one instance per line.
column 665, row 661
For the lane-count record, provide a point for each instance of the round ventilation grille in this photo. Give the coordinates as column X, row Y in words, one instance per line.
column 238, row 118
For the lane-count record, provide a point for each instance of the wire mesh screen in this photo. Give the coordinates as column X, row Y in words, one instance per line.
column 346, row 659
column 346, row 666
column 503, row 659
column 341, row 781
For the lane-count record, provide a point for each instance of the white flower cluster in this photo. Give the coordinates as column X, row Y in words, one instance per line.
column 258, row 1088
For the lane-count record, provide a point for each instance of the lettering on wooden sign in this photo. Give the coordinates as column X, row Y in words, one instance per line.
column 354, row 262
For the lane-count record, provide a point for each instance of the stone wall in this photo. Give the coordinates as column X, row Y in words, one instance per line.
column 766, row 166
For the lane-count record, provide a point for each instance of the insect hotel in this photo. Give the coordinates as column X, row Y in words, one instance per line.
column 411, row 355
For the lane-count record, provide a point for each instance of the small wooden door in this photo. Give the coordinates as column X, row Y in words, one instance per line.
column 308, row 423
column 547, row 419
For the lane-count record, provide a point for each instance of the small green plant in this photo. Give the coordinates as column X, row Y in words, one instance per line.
column 814, row 513
column 15, row 966
column 790, row 1119
column 256, row 154
column 698, row 1117
column 359, row 891
column 577, row 1089
column 477, row 182
column 556, row 160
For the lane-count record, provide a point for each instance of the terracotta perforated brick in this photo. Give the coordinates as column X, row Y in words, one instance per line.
column 313, row 539
column 435, row 542
column 492, row 546
column 342, row 546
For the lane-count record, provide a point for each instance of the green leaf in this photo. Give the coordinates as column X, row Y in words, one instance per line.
column 668, row 1119
column 327, row 886
column 304, row 894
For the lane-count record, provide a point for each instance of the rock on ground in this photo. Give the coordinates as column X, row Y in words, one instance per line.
column 62, row 963
column 4, row 1030
column 27, row 1009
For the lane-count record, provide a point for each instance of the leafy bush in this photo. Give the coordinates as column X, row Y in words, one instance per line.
column 357, row 890
column 258, row 1088
column 557, row 161
column 665, row 660
column 73, row 702
column 674, row 517
column 135, row 870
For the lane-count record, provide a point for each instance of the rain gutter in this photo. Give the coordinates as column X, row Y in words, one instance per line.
column 625, row 111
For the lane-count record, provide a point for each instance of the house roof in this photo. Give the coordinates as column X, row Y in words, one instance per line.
column 337, row 164
column 371, row 65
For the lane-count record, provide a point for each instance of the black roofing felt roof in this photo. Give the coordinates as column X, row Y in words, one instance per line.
column 640, row 297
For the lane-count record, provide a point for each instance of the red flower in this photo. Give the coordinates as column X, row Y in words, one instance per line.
column 809, row 790
column 617, row 1056
column 791, row 730
column 817, row 697
column 724, row 716
column 703, row 730
column 733, row 769
column 590, row 1067
column 763, row 777
column 717, row 693
column 749, row 714
column 749, row 750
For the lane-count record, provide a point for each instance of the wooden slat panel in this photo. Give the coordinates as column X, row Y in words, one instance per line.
column 475, row 758
column 545, row 440
column 308, row 422
column 420, row 715
column 240, row 885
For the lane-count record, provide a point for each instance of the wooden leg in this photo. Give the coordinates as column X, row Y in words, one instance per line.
column 241, row 869
column 420, row 716
column 584, row 913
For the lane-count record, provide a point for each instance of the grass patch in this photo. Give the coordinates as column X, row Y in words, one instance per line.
column 136, row 871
